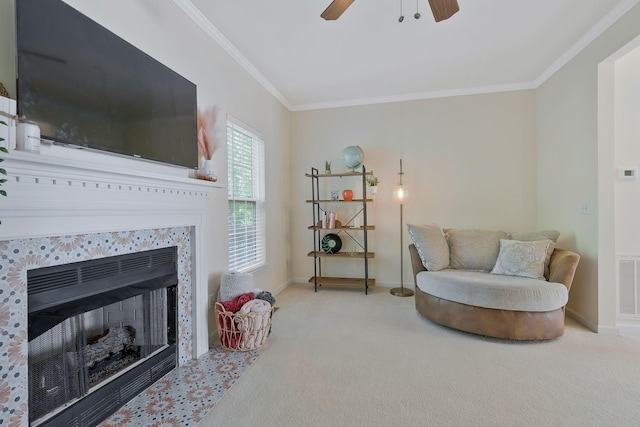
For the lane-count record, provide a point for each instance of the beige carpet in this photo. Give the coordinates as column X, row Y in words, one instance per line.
column 340, row 358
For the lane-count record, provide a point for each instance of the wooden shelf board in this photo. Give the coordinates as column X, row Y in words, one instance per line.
column 368, row 227
column 321, row 254
column 338, row 201
column 340, row 175
column 343, row 281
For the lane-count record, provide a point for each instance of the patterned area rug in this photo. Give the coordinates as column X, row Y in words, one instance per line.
column 184, row 396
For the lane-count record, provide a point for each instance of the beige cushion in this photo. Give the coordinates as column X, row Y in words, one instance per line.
column 527, row 236
column 493, row 291
column 525, row 259
column 431, row 245
column 473, row 249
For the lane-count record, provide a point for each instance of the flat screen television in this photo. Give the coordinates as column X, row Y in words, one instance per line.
column 87, row 87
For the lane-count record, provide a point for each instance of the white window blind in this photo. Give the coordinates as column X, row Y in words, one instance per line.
column 247, row 250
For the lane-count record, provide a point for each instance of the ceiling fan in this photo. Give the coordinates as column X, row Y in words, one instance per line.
column 441, row 9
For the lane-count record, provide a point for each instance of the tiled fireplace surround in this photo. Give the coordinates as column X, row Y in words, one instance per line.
column 60, row 211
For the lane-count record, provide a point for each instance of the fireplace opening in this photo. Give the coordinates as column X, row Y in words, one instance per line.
column 100, row 332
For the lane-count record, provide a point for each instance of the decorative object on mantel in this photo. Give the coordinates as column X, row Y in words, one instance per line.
column 206, row 171
column 327, row 167
column 400, row 193
column 372, row 183
column 3, row 91
column 28, row 136
column 352, row 157
column 209, row 140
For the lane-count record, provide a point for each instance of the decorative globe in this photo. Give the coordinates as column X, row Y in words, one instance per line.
column 352, row 156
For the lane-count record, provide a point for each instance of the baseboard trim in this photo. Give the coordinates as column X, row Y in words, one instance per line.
column 282, row 287
column 628, row 327
column 623, row 326
column 608, row 330
column 393, row 284
column 583, row 321
column 299, row 280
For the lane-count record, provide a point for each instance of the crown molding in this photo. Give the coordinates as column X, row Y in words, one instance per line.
column 415, row 96
column 600, row 27
column 196, row 16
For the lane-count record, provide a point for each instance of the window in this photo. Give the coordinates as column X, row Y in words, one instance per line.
column 246, row 198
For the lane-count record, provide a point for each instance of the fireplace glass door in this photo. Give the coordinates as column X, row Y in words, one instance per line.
column 78, row 355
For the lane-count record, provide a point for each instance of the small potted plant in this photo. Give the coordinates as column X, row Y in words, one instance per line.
column 327, row 167
column 372, row 182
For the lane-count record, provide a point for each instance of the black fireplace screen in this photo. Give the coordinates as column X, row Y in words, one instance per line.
column 71, row 358
column 99, row 338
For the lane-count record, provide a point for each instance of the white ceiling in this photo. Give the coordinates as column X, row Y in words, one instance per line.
column 367, row 56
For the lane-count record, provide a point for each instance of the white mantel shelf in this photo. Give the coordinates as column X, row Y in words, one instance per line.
column 54, row 187
column 58, row 167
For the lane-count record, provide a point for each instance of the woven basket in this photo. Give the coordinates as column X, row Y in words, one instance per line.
column 243, row 332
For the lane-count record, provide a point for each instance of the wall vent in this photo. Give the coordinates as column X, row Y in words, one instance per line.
column 629, row 286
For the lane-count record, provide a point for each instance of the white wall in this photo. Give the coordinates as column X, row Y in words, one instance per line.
column 469, row 162
column 568, row 169
column 627, row 152
column 162, row 30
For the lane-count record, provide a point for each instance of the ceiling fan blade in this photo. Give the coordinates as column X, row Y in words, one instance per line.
column 335, row 9
column 443, row 9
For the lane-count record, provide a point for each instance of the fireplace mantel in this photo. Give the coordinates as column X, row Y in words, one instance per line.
column 57, row 196
column 99, row 203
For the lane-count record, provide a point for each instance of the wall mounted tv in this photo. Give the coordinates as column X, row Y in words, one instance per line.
column 87, row 87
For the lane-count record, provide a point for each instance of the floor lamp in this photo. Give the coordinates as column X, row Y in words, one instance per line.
column 400, row 193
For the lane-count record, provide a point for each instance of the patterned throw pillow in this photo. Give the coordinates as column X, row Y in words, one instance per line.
column 529, row 236
column 525, row 259
column 431, row 245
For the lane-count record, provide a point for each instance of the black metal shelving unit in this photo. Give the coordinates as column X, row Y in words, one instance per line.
column 318, row 279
